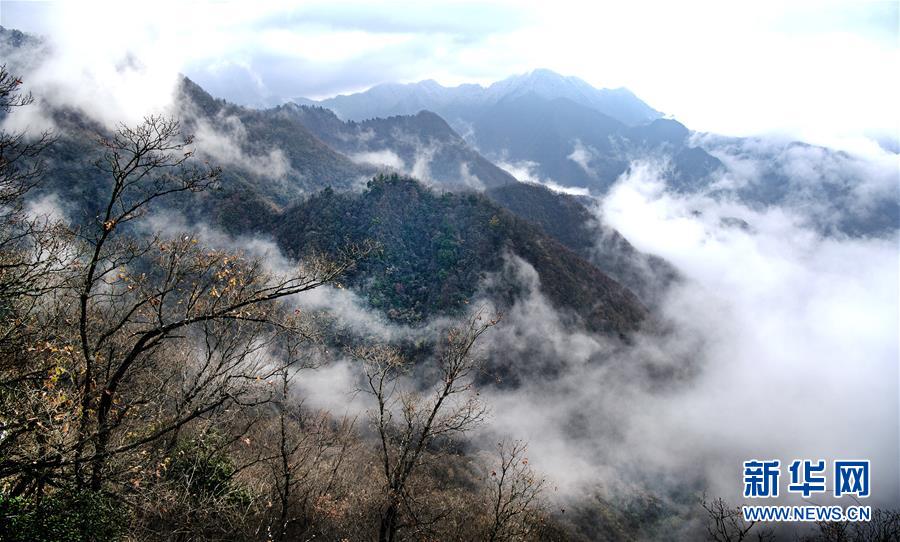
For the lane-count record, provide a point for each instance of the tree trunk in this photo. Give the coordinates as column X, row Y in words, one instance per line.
column 388, row 529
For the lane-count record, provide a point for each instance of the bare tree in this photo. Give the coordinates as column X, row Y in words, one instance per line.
column 159, row 332
column 833, row 531
column 884, row 526
column 727, row 524
column 30, row 247
column 19, row 171
column 123, row 319
column 34, row 256
column 310, row 450
column 409, row 422
column 515, row 490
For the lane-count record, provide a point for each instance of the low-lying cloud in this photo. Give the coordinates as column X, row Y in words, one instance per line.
column 527, row 171
column 383, row 158
column 779, row 343
column 802, row 349
column 583, row 155
column 223, row 140
column 830, row 190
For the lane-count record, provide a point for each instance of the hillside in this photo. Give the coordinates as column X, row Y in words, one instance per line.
column 834, row 192
column 567, row 220
column 576, row 146
column 437, row 249
column 561, row 128
column 311, row 163
column 268, row 159
column 422, row 145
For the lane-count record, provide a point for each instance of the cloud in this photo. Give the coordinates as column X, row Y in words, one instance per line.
column 80, row 69
column 572, row 394
column 537, row 406
column 333, row 388
column 385, row 157
column 827, row 188
column 468, row 21
column 259, row 55
column 802, row 335
column 421, row 168
column 778, row 343
column 224, row 140
column 47, row 207
column 410, row 154
column 582, row 155
column 468, row 178
column 526, row 171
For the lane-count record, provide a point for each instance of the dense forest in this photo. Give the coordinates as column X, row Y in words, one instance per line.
column 435, row 249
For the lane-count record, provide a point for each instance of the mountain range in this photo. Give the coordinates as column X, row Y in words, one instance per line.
column 552, row 129
column 422, row 145
column 463, row 101
column 560, row 128
column 341, row 171
column 436, row 247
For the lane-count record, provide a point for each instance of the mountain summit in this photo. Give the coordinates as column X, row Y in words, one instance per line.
column 619, row 103
column 458, row 102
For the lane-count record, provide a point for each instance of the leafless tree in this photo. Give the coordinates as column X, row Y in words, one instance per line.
column 123, row 318
column 408, row 422
column 727, row 524
column 30, row 247
column 34, row 253
column 310, row 451
column 19, row 169
column 515, row 490
column 884, row 526
column 156, row 332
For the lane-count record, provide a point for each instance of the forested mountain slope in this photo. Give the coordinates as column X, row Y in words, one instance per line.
column 436, row 249
column 567, row 220
column 422, row 145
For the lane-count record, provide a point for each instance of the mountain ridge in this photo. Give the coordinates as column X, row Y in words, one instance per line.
column 422, row 145
column 437, row 250
column 389, row 99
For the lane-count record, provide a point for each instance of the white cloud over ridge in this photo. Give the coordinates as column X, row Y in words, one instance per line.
column 527, row 171
column 224, row 141
column 583, row 155
column 386, row 157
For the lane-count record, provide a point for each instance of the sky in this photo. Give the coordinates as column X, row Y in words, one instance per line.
column 821, row 71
